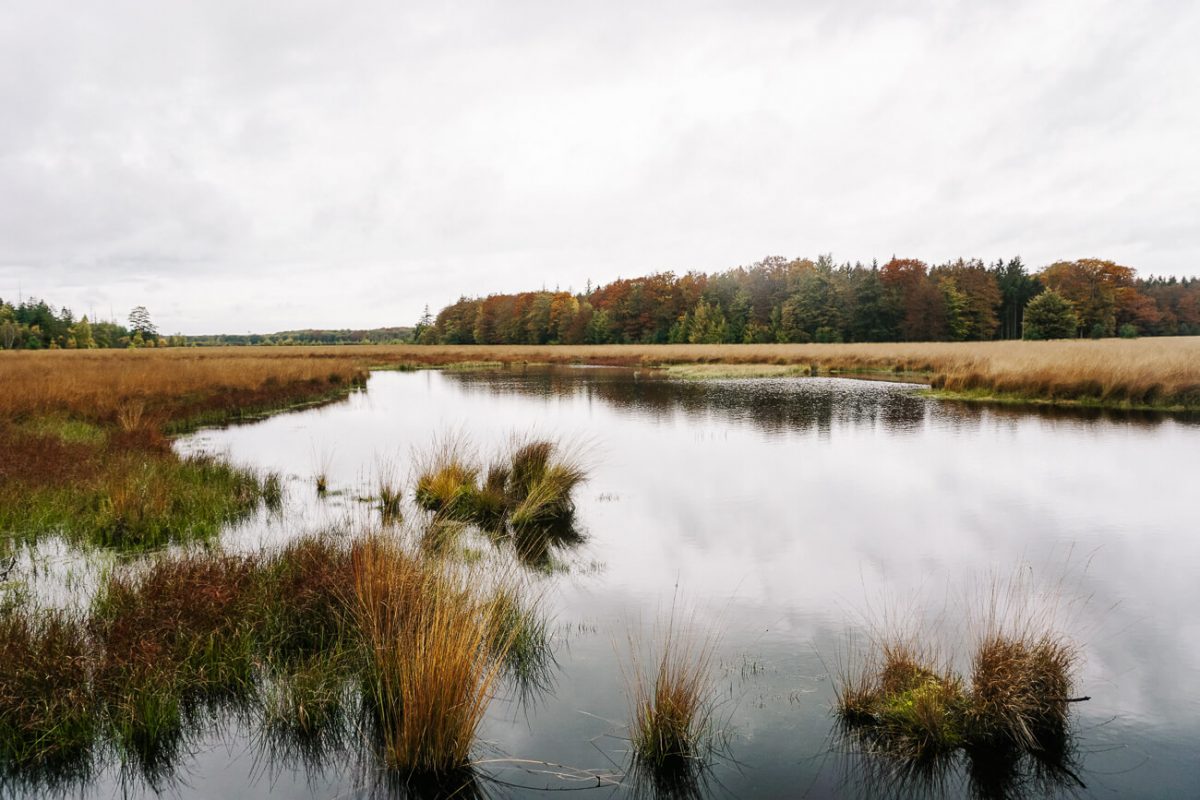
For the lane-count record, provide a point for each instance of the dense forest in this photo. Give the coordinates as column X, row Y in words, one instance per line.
column 801, row 300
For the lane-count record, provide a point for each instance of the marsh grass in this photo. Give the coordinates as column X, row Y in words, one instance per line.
column 328, row 641
column 672, row 697
column 906, row 700
column 522, row 633
column 446, row 478
column 434, row 656
column 526, row 495
column 272, row 492
column 133, row 502
column 322, row 459
column 214, row 385
column 181, row 630
column 390, row 490
column 47, row 721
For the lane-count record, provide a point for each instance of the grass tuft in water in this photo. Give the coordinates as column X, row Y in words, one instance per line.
column 434, row 658
column 47, row 719
column 909, row 704
column 673, row 703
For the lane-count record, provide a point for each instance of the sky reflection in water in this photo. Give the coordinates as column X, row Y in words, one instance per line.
column 785, row 511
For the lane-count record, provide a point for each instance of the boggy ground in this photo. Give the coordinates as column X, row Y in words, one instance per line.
column 366, row 639
column 85, row 447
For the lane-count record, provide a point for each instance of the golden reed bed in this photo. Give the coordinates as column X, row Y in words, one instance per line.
column 1150, row 372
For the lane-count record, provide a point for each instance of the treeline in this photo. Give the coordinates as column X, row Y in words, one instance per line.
column 400, row 335
column 34, row 324
column 801, row 300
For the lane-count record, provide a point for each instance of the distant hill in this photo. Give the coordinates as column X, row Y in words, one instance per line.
column 307, row 336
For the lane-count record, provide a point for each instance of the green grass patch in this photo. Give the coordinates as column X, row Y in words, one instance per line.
column 136, row 502
column 991, row 397
column 67, row 431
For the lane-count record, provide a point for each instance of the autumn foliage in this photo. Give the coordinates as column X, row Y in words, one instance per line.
column 798, row 301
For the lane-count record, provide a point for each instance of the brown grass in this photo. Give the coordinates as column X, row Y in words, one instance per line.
column 184, row 382
column 672, row 700
column 434, row 654
column 133, row 390
column 907, row 701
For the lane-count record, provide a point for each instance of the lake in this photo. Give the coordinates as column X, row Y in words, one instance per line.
column 792, row 517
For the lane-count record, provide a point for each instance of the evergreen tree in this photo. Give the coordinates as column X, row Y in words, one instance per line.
column 139, row 323
column 1050, row 316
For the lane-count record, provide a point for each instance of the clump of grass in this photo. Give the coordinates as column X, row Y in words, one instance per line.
column 174, row 636
column 307, row 603
column 47, row 718
column 433, row 657
column 540, row 484
column 672, row 703
column 390, row 498
column 490, row 502
column 909, row 704
column 323, row 460
column 528, row 493
column 1021, row 689
column 272, row 491
column 391, row 493
column 446, row 479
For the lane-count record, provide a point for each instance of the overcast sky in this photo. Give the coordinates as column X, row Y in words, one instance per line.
column 260, row 166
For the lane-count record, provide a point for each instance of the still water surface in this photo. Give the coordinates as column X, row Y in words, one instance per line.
column 788, row 513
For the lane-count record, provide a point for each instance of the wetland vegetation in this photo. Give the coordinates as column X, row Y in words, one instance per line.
column 385, row 643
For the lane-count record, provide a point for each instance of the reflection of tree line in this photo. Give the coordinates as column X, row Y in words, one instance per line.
column 775, row 406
